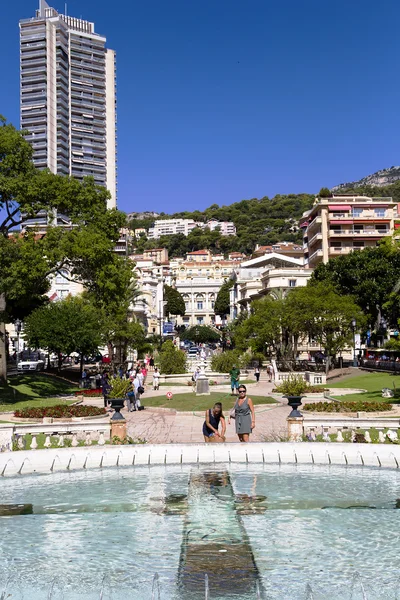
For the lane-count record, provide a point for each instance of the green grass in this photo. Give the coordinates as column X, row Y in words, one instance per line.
column 32, row 389
column 372, row 382
column 189, row 401
column 184, row 384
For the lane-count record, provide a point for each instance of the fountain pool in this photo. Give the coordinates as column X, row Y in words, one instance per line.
column 256, row 530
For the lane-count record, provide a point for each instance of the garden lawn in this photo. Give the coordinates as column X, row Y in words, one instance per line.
column 191, row 402
column 32, row 389
column 372, row 382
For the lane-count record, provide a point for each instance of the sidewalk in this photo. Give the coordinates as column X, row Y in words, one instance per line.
column 163, row 426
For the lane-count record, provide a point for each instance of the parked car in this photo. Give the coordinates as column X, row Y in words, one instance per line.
column 193, row 350
column 31, row 365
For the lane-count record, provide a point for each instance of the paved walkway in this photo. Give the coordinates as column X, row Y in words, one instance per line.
column 163, row 426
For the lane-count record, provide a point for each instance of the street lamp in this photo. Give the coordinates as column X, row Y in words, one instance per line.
column 17, row 325
column 354, row 325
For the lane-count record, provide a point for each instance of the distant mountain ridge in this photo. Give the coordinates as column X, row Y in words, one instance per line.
column 379, row 179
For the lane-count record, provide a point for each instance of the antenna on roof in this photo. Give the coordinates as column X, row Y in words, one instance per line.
column 65, row 9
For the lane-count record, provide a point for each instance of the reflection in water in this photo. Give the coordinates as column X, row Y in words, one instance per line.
column 215, row 542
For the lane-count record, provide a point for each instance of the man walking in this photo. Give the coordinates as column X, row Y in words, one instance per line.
column 234, row 374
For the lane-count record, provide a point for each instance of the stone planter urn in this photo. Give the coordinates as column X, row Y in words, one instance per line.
column 117, row 404
column 294, row 402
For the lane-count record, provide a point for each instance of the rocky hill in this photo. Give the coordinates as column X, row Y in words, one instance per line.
column 379, row 179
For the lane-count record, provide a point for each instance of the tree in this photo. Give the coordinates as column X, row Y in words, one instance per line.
column 201, row 334
column 370, row 275
column 28, row 259
column 175, row 302
column 325, row 192
column 222, row 304
column 318, row 311
column 266, row 329
column 172, row 360
column 63, row 327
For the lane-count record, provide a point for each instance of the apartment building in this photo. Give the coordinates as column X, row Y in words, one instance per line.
column 344, row 223
column 68, row 96
column 172, row 227
column 225, row 227
column 271, row 274
column 286, row 248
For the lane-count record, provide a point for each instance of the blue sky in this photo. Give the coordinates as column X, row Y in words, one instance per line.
column 220, row 100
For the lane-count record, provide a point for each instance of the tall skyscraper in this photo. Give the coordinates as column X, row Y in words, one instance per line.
column 68, row 96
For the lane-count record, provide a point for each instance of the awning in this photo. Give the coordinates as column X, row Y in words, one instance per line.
column 339, row 207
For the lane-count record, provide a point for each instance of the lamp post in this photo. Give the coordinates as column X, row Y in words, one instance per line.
column 354, row 325
column 18, row 326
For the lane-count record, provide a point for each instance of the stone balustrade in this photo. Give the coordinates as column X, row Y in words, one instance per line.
column 313, row 425
column 65, row 433
column 313, row 378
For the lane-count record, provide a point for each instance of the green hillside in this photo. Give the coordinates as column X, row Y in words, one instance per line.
column 265, row 221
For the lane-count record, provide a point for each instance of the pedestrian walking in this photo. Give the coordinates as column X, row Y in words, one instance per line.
column 137, row 383
column 131, row 400
column 105, row 388
column 270, row 372
column 85, row 379
column 151, row 363
column 257, row 374
column 234, row 374
column 244, row 415
column 156, row 379
column 214, row 417
column 195, row 376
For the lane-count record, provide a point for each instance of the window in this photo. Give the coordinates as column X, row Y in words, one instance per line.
column 61, row 276
column 186, row 320
column 380, row 212
column 357, row 244
column 200, row 320
column 336, row 246
column 358, row 228
column 292, row 282
column 199, row 305
column 356, row 212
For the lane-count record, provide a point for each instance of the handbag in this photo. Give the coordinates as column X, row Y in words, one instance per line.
column 232, row 413
column 140, row 389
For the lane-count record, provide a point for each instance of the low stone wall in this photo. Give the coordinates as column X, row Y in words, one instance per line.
column 67, row 459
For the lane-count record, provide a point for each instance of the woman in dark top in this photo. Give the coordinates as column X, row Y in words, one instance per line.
column 214, row 416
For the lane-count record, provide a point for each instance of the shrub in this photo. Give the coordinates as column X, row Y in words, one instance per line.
column 224, row 362
column 118, row 387
column 172, row 360
column 294, row 385
column 348, row 406
column 59, row 411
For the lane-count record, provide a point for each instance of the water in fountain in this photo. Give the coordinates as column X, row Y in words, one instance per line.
column 280, row 526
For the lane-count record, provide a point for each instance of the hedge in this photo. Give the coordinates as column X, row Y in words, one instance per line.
column 348, row 406
column 59, row 411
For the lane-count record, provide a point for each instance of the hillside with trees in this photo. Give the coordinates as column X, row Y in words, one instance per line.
column 258, row 221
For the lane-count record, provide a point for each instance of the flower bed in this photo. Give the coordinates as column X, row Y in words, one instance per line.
column 96, row 392
column 356, row 406
column 59, row 411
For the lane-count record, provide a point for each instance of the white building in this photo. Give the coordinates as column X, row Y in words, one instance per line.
column 172, row 227
column 199, row 279
column 225, row 227
column 68, row 97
